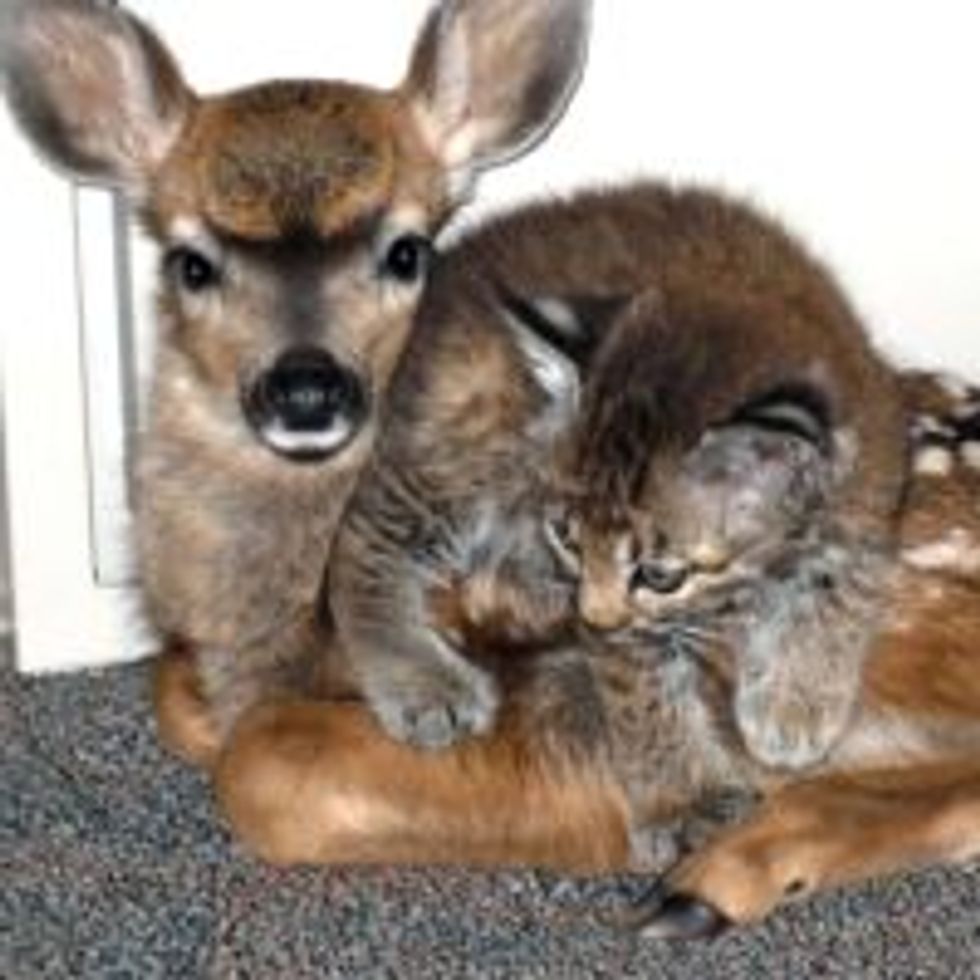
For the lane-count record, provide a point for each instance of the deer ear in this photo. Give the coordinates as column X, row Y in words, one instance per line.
column 93, row 88
column 490, row 77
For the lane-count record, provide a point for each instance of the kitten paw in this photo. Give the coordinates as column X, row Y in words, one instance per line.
column 438, row 709
column 790, row 731
column 658, row 845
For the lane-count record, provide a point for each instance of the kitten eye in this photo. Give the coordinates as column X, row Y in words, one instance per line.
column 407, row 258
column 192, row 270
column 658, row 577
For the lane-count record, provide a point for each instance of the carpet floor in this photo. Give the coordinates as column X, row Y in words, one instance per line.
column 115, row 865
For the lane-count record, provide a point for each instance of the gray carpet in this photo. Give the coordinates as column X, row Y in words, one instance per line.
column 115, row 865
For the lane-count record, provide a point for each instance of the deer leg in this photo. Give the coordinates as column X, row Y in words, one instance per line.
column 818, row 834
column 184, row 721
column 308, row 782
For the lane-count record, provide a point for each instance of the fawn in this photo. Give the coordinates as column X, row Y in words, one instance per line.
column 242, row 196
column 900, row 785
column 296, row 222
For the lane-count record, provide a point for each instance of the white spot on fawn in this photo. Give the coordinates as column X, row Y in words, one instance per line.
column 933, row 461
column 958, row 551
column 971, row 454
column 957, row 388
column 929, row 425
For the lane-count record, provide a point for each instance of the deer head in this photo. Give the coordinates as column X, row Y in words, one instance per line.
column 294, row 218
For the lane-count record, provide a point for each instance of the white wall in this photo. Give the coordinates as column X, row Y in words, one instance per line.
column 858, row 121
column 855, row 120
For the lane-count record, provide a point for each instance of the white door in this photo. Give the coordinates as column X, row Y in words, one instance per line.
column 852, row 120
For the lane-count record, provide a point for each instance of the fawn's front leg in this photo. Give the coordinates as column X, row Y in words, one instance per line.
column 185, row 723
column 818, row 834
column 321, row 783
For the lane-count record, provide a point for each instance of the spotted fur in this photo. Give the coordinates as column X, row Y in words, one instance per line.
column 946, row 434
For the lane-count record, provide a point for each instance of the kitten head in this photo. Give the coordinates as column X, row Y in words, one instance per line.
column 700, row 520
column 685, row 457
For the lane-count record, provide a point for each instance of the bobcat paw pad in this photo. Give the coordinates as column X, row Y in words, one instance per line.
column 434, row 718
column 789, row 733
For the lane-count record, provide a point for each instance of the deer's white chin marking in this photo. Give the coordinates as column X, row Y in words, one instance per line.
column 312, row 444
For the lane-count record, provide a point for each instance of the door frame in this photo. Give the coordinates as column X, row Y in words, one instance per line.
column 64, row 302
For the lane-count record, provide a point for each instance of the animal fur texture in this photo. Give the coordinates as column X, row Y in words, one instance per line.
column 295, row 222
column 307, row 781
column 317, row 782
column 685, row 310
column 729, row 488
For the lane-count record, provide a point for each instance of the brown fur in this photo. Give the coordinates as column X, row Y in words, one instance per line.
column 260, row 162
column 306, row 781
column 471, row 802
column 892, row 798
column 500, row 801
column 907, row 734
column 482, row 785
column 706, row 304
column 185, row 723
column 888, row 799
column 293, row 196
column 902, row 722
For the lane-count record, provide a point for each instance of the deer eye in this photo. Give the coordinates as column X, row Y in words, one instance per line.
column 192, row 270
column 407, row 258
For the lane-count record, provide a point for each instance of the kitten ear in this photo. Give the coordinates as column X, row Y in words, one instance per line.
column 557, row 337
column 794, row 410
column 774, row 445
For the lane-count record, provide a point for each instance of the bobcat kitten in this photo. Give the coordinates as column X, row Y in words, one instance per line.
column 714, row 349
column 728, row 491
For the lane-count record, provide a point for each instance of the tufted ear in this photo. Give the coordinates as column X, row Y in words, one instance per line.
column 490, row 77
column 93, row 88
column 774, row 448
column 794, row 410
column 557, row 337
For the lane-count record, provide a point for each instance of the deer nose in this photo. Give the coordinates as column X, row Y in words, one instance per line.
column 305, row 390
column 306, row 405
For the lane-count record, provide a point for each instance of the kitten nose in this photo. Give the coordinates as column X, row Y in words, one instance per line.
column 602, row 611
